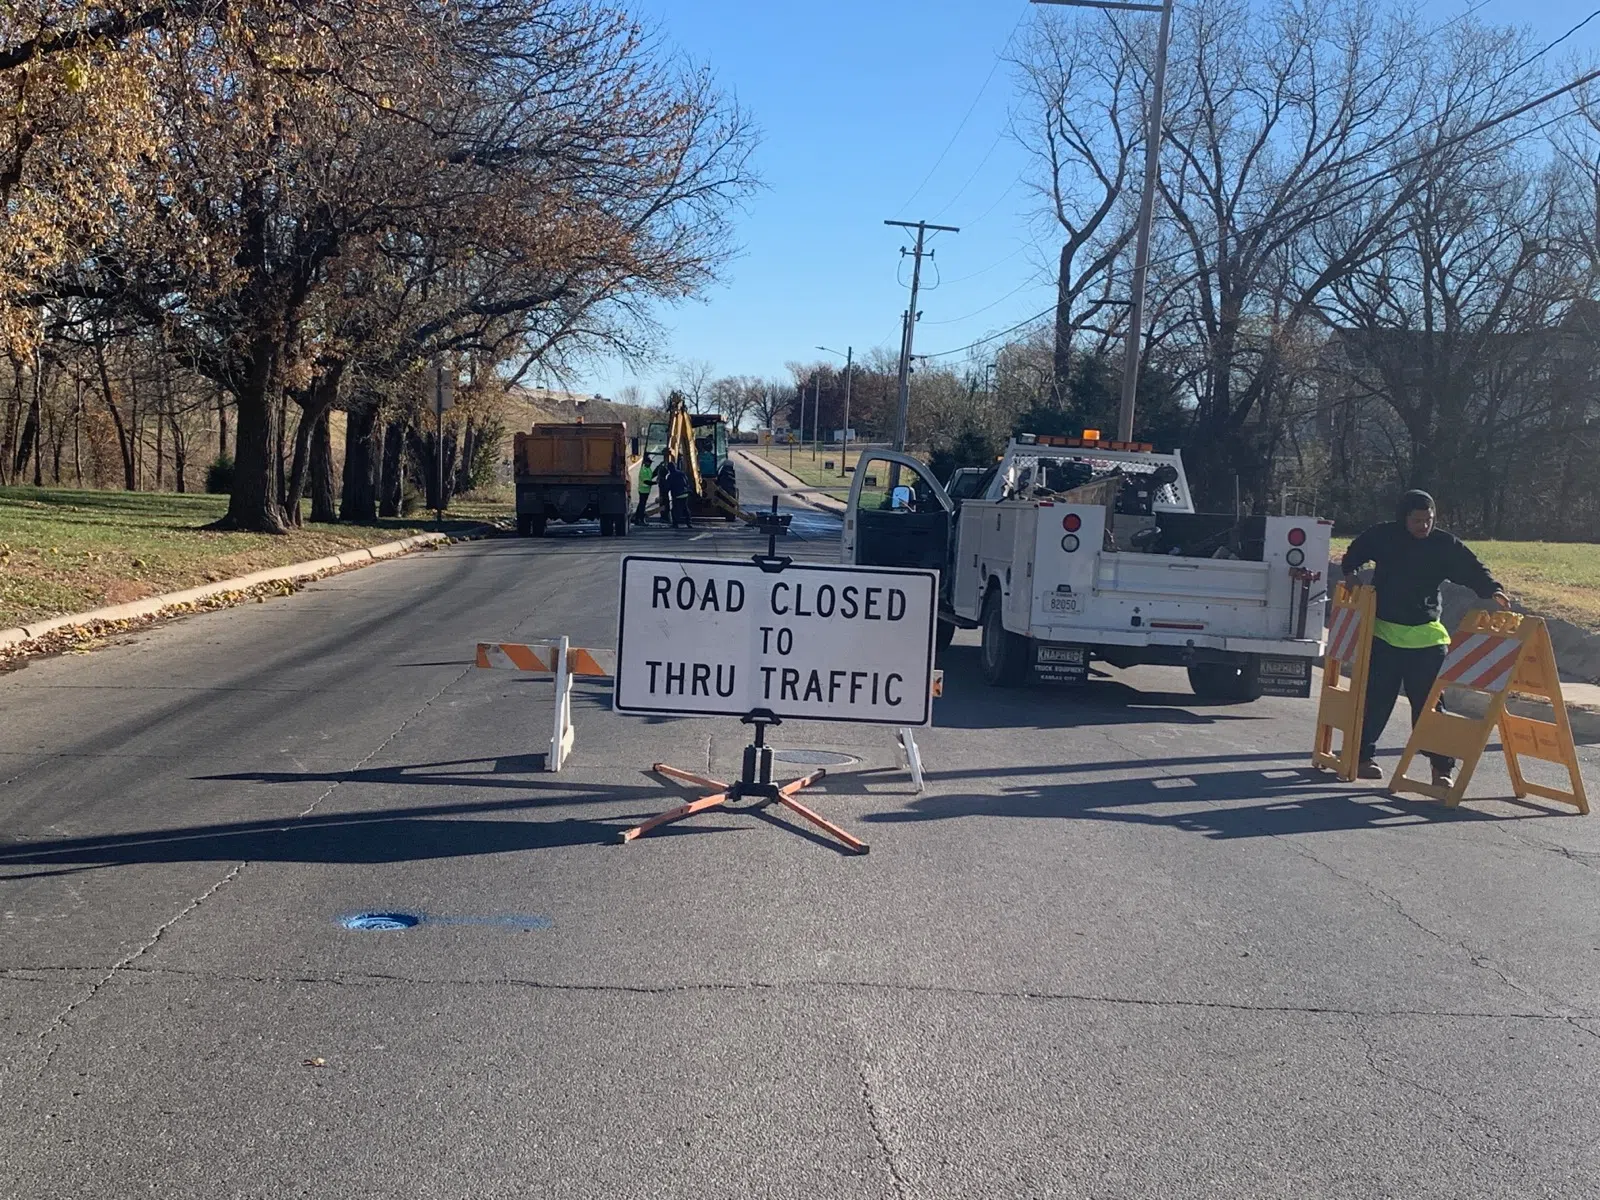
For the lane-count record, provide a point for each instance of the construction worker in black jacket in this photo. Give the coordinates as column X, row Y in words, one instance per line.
column 1411, row 559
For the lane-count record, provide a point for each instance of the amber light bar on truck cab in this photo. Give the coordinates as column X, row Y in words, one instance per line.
column 1083, row 443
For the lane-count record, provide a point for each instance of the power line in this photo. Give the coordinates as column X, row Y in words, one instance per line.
column 1000, row 262
column 983, row 341
column 999, row 57
column 1031, row 283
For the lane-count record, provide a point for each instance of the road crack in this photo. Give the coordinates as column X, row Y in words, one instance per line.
column 63, row 1019
column 848, row 986
column 879, row 1133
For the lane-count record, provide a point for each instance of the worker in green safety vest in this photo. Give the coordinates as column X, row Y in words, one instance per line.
column 1411, row 558
column 647, row 476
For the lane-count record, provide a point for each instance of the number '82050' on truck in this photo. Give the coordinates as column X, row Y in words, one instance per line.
column 1070, row 550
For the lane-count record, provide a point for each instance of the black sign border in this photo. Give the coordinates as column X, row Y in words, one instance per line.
column 745, row 563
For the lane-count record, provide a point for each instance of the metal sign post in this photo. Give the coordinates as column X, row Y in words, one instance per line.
column 766, row 639
column 443, row 398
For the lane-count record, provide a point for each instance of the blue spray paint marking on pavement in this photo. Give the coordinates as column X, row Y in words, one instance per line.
column 371, row 921
column 380, row 921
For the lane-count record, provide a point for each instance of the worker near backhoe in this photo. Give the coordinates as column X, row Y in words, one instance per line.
column 647, row 477
column 675, row 493
column 1411, row 557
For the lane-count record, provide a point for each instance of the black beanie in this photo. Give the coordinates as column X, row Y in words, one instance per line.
column 1413, row 501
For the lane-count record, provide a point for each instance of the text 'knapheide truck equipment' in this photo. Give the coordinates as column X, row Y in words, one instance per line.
column 1069, row 550
column 574, row 472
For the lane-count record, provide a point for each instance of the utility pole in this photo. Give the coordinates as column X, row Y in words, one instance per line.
column 443, row 398
column 1147, row 200
column 816, row 414
column 844, row 434
column 904, row 398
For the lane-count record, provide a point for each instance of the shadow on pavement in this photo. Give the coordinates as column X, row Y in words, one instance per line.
column 1265, row 803
column 970, row 703
column 384, row 836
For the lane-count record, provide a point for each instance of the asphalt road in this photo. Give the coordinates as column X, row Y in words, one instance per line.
column 1125, row 946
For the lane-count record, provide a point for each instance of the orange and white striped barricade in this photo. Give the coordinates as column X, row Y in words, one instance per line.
column 906, row 739
column 1344, row 704
column 563, row 662
column 1497, row 654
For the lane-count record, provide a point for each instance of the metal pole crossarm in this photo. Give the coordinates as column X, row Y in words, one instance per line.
column 1155, row 8
column 925, row 225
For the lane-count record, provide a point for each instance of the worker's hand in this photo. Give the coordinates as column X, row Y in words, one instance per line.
column 1501, row 599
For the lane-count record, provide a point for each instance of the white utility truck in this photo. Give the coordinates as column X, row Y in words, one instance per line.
column 1069, row 550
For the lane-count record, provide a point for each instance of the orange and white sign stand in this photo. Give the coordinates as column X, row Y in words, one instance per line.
column 1498, row 654
column 1343, row 704
column 563, row 662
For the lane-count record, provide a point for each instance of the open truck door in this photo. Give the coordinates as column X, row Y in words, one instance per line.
column 899, row 515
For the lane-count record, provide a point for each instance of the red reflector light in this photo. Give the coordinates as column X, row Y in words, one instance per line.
column 1297, row 537
column 1072, row 522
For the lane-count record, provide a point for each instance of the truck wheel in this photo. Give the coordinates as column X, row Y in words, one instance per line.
column 1005, row 654
column 536, row 524
column 524, row 525
column 1225, row 682
column 944, row 635
column 620, row 526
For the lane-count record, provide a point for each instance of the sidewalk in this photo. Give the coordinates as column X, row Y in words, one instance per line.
column 813, row 497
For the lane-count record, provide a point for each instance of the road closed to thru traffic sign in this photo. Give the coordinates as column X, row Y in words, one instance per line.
column 729, row 637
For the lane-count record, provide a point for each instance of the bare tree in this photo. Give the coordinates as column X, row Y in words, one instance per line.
column 1081, row 120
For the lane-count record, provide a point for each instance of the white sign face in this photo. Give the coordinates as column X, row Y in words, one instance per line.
column 722, row 637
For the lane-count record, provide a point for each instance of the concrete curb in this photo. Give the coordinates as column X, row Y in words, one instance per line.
column 1585, row 721
column 785, row 480
column 155, row 604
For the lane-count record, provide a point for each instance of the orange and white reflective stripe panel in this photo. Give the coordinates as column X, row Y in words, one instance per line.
column 1342, row 635
column 1485, row 661
column 515, row 657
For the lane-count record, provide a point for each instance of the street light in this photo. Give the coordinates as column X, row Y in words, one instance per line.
column 844, row 434
column 1147, row 201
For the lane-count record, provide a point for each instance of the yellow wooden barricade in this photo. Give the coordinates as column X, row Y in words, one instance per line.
column 1343, row 704
column 1497, row 654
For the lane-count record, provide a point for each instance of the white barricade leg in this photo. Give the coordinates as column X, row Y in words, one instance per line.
column 562, row 736
column 911, row 754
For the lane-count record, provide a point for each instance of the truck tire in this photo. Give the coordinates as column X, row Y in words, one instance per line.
column 944, row 635
column 1005, row 654
column 1225, row 683
column 728, row 485
column 621, row 525
column 530, row 525
column 608, row 526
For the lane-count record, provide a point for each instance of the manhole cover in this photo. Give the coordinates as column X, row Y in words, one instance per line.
column 815, row 758
column 384, row 920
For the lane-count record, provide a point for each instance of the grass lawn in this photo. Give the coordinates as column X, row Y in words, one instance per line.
column 1554, row 579
column 811, row 467
column 68, row 551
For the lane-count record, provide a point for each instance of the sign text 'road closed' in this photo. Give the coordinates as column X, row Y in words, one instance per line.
column 722, row 637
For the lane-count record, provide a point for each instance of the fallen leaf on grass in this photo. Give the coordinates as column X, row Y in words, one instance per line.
column 315, row 1062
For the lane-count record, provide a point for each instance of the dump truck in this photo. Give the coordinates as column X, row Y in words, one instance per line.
column 1072, row 550
column 574, row 472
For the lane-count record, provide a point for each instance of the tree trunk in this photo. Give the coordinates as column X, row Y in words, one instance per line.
column 256, row 504
column 180, row 454
column 1061, row 354
column 109, row 395
column 394, row 445
column 222, row 423
column 27, row 444
column 363, row 459
column 314, row 410
column 469, row 437
column 322, row 490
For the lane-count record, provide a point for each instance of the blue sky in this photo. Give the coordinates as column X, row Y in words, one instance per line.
column 857, row 102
